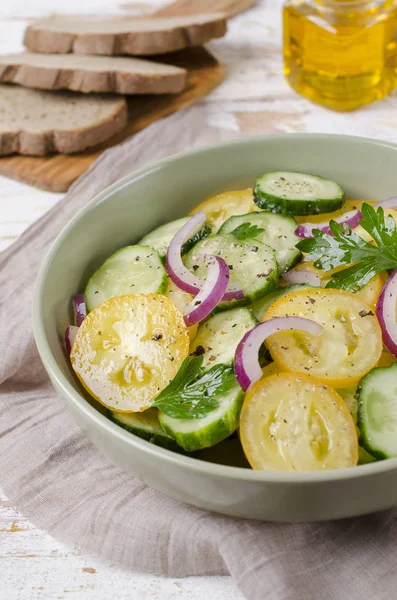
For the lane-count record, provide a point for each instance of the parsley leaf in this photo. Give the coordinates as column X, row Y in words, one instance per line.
column 246, row 231
column 194, row 393
column 383, row 231
column 345, row 247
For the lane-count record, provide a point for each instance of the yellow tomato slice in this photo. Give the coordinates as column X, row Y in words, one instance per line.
column 326, row 217
column 369, row 293
column 292, row 422
column 348, row 206
column 129, row 349
column 349, row 346
column 270, row 369
column 180, row 299
column 219, row 208
column 350, row 397
column 365, row 235
column 386, row 359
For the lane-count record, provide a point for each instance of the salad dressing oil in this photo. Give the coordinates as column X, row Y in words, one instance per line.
column 341, row 54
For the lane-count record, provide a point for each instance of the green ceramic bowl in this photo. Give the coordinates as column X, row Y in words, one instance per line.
column 120, row 215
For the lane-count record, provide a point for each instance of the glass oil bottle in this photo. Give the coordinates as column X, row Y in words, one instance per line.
column 341, row 53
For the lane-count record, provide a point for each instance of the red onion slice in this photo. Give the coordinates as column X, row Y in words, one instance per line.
column 386, row 313
column 79, row 309
column 180, row 275
column 389, row 203
column 246, row 363
column 212, row 292
column 301, row 276
column 234, row 292
column 351, row 218
column 70, row 336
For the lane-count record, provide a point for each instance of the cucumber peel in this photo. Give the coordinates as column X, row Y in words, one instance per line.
column 377, row 412
column 160, row 238
column 252, row 264
column 146, row 426
column 130, row 270
column 275, row 230
column 196, row 434
column 294, row 193
column 218, row 337
column 260, row 307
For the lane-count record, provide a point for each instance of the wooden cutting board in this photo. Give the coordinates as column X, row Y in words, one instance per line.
column 56, row 173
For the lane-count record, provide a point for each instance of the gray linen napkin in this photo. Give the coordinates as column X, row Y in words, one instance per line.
column 67, row 487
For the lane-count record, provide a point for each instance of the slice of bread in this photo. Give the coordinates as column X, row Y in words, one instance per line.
column 91, row 73
column 122, row 35
column 38, row 123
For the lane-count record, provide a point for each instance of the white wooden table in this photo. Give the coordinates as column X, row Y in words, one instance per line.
column 253, row 97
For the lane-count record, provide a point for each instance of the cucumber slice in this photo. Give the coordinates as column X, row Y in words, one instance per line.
column 377, row 412
column 176, row 295
column 146, row 426
column 195, row 434
column 260, row 307
column 219, row 208
column 131, row 270
column 252, row 264
column 364, row 457
column 350, row 396
column 297, row 193
column 218, row 337
column 278, row 233
column 180, row 299
column 160, row 238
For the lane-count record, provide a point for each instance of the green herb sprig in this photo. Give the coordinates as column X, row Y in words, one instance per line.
column 246, row 231
column 346, row 247
column 194, row 392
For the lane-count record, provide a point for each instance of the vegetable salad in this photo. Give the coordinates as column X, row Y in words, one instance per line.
column 269, row 311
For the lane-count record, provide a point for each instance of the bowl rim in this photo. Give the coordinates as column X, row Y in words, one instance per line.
column 105, row 424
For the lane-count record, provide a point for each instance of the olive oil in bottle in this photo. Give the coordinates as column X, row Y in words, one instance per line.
column 341, row 54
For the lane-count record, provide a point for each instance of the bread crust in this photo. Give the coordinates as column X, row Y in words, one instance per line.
column 38, row 38
column 52, row 140
column 87, row 79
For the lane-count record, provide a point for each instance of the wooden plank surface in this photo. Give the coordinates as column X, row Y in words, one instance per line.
column 34, row 566
column 191, row 7
column 56, row 173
